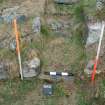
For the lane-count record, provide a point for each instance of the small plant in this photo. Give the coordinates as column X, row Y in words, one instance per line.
column 44, row 30
column 79, row 13
column 59, row 90
column 81, row 99
column 81, row 28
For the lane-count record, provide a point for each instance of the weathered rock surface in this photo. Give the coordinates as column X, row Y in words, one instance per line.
column 32, row 68
column 8, row 69
column 92, row 46
column 36, row 25
column 60, row 26
column 94, row 33
column 8, row 14
column 3, row 72
column 100, row 4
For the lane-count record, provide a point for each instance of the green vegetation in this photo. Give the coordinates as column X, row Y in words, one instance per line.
column 13, row 92
column 59, row 90
column 1, row 1
column 79, row 13
column 6, row 54
column 45, row 31
column 83, row 102
column 49, row 101
column 81, row 28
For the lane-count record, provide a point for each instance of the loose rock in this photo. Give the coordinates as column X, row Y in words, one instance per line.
column 9, row 14
column 36, row 25
column 32, row 68
column 94, row 33
column 3, row 71
column 13, row 45
column 100, row 4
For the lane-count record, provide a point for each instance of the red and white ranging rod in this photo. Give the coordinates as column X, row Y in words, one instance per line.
column 98, row 52
column 18, row 47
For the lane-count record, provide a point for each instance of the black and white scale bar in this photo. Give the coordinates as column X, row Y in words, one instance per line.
column 58, row 73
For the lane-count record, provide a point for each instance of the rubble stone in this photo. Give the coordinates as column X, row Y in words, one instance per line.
column 9, row 14
column 32, row 68
column 94, row 33
column 36, row 25
column 3, row 72
column 13, row 45
column 57, row 25
column 60, row 27
column 100, row 4
column 21, row 18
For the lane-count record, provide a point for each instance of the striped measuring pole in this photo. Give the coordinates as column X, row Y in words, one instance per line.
column 98, row 52
column 18, row 47
column 59, row 73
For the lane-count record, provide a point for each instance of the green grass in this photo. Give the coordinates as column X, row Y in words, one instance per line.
column 82, row 98
column 79, row 13
column 59, row 90
column 82, row 102
column 7, row 54
column 1, row 1
column 49, row 101
column 13, row 91
column 45, row 31
column 104, row 83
